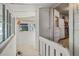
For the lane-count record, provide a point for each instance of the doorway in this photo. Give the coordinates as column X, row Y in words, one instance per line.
column 61, row 22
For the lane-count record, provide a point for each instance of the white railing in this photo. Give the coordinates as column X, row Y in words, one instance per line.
column 50, row 48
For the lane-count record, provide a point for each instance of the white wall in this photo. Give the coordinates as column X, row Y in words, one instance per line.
column 74, row 29
column 51, row 24
column 44, row 22
column 29, row 20
column 37, row 28
column 10, row 49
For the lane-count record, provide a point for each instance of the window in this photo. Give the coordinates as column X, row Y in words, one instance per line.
column 27, row 27
column 23, row 27
column 7, row 26
column 1, row 23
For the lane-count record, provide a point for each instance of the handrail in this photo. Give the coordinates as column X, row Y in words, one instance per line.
column 50, row 48
column 4, row 44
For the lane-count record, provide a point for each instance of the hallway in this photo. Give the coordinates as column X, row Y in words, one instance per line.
column 25, row 43
column 38, row 29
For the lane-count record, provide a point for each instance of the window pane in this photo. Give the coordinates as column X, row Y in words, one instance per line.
column 9, row 24
column 12, row 25
column 1, row 23
column 24, row 27
column 5, row 24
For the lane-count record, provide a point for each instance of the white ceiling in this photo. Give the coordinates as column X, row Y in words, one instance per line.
column 27, row 10
column 63, row 8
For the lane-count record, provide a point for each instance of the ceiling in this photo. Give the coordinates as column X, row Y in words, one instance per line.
column 28, row 9
column 63, row 8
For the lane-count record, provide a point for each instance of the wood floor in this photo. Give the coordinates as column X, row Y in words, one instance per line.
column 64, row 42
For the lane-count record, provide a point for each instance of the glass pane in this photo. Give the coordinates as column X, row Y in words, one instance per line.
column 1, row 23
column 24, row 27
column 9, row 24
column 13, row 24
column 5, row 24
